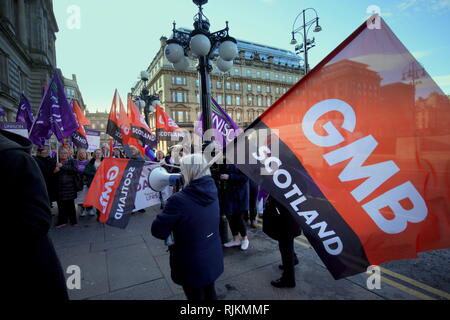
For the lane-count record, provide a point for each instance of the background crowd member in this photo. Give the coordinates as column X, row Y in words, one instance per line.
column 66, row 184
column 117, row 153
column 192, row 216
column 82, row 161
column 32, row 268
column 105, row 150
column 159, row 155
column 90, row 170
column 250, row 215
column 47, row 166
column 281, row 226
column 235, row 204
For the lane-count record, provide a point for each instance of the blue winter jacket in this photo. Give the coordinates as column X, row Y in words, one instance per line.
column 196, row 258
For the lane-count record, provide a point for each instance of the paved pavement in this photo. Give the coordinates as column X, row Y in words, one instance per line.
column 130, row 264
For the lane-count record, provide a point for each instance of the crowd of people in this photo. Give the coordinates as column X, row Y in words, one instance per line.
column 193, row 216
column 192, row 219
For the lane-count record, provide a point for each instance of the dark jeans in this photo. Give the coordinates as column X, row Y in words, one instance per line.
column 66, row 211
column 253, row 198
column 288, row 257
column 207, row 293
column 237, row 224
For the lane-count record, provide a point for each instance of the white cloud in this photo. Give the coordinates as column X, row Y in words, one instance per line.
column 406, row 4
column 420, row 5
column 421, row 53
column 442, row 80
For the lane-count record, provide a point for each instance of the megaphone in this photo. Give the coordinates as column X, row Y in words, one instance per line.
column 159, row 178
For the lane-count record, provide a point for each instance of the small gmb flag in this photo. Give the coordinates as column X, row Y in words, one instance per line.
column 358, row 154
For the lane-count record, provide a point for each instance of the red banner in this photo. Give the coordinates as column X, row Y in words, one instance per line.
column 113, row 190
column 363, row 162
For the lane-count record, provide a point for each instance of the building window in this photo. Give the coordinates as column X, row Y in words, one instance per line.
column 250, row 100
column 267, row 89
column 238, row 116
column 238, row 100
column 267, row 75
column 289, row 79
column 219, row 85
column 228, row 85
column 249, row 73
column 249, row 87
column 237, row 86
column 174, row 96
column 269, row 101
column 236, row 72
column 228, row 100
column 197, row 83
column 283, row 77
column 284, row 90
column 198, row 98
column 277, row 90
column 277, row 77
column 219, row 99
column 259, row 101
column 179, row 96
column 258, row 88
column 180, row 80
column 258, row 74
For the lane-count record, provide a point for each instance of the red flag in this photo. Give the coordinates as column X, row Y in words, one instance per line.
column 113, row 126
column 81, row 118
column 163, row 121
column 113, row 190
column 139, row 129
column 362, row 163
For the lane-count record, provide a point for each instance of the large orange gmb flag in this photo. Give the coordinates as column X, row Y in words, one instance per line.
column 363, row 160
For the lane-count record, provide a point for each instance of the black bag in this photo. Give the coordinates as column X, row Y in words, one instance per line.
column 278, row 222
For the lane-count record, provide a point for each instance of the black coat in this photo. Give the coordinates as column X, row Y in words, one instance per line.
column 196, row 258
column 278, row 222
column 236, row 191
column 47, row 166
column 66, row 181
column 32, row 268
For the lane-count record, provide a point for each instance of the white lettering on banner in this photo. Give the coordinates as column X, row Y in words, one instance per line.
column 294, row 202
column 111, row 175
column 375, row 174
column 124, row 194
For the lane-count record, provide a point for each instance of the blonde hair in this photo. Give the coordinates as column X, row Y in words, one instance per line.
column 79, row 153
column 193, row 166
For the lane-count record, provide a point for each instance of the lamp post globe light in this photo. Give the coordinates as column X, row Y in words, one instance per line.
column 145, row 100
column 200, row 44
column 303, row 32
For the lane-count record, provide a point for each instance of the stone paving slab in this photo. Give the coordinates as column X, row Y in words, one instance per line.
column 131, row 265
column 153, row 290
column 94, row 274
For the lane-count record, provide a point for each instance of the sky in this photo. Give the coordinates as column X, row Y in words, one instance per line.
column 112, row 41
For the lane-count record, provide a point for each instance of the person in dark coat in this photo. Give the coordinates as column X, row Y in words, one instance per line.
column 250, row 215
column 66, row 172
column 192, row 217
column 279, row 225
column 47, row 166
column 235, row 204
column 32, row 268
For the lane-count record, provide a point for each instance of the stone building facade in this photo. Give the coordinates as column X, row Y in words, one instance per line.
column 27, row 51
column 99, row 121
column 260, row 75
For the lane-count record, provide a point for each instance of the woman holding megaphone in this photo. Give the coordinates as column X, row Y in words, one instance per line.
column 192, row 217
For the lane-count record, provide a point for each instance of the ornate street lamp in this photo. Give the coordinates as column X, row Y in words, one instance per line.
column 145, row 100
column 307, row 43
column 200, row 44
